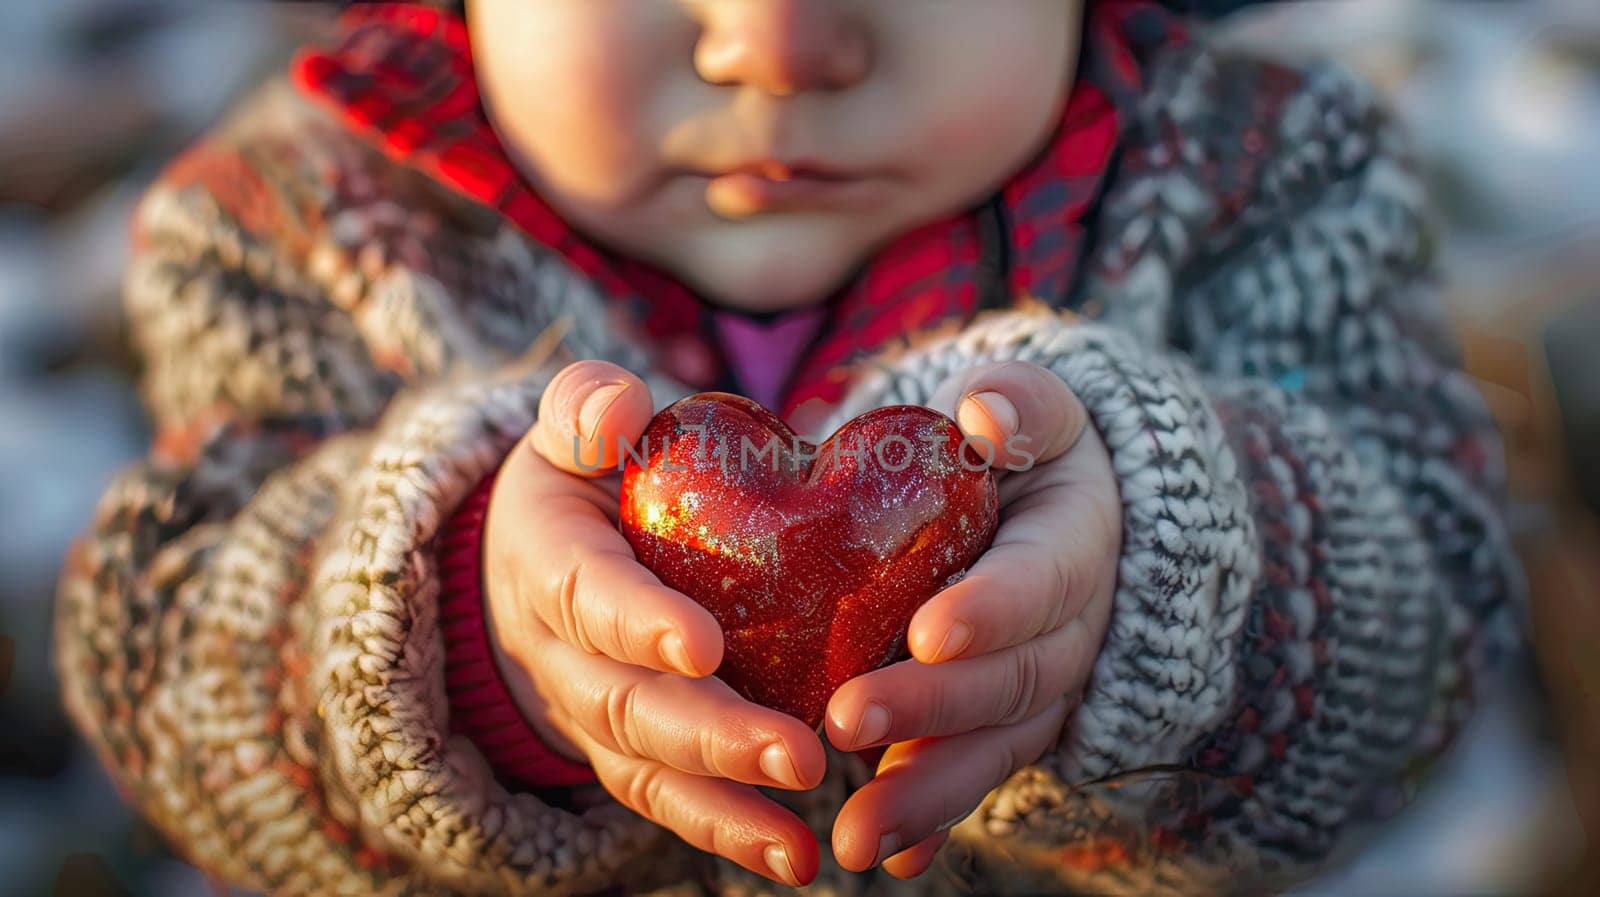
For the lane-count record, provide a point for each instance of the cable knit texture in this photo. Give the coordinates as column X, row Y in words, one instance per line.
column 339, row 351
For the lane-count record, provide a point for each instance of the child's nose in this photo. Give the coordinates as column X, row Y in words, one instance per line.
column 781, row 46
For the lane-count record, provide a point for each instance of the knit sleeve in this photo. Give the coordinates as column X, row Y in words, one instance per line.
column 1316, row 570
column 249, row 632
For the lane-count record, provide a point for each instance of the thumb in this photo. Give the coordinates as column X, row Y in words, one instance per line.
column 1023, row 411
column 589, row 410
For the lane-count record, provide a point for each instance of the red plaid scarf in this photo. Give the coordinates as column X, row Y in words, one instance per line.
column 401, row 74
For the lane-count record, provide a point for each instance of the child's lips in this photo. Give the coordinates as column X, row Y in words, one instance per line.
column 752, row 190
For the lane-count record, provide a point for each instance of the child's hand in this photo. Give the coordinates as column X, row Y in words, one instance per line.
column 599, row 654
column 1000, row 656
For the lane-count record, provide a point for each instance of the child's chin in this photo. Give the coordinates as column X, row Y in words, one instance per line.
column 772, row 272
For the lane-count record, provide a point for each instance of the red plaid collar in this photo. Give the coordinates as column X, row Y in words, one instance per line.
column 401, row 75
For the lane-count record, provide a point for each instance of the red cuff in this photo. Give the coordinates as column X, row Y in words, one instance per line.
column 481, row 706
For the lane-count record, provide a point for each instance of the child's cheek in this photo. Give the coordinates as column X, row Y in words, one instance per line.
column 989, row 107
column 980, row 144
column 570, row 88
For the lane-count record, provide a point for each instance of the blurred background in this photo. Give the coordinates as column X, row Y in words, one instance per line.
column 1503, row 99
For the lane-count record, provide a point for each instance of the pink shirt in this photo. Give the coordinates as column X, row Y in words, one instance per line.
column 763, row 354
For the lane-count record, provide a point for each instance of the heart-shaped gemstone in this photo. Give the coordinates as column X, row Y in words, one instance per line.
column 811, row 557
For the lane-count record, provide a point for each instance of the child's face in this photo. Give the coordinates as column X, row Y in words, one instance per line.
column 632, row 118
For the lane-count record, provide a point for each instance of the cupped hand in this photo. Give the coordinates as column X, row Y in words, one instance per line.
column 998, row 658
column 609, row 665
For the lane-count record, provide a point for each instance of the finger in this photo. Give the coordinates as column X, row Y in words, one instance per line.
column 1053, row 556
column 926, row 786
column 914, row 861
column 1025, row 413
column 697, row 726
column 913, row 700
column 586, row 413
column 593, row 593
column 571, row 568
column 715, row 816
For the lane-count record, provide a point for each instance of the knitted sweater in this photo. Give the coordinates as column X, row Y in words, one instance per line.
column 338, row 350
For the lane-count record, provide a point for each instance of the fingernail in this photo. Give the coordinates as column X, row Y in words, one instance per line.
column 675, row 654
column 888, row 846
column 779, row 766
column 873, row 725
column 778, row 861
column 955, row 641
column 595, row 406
column 999, row 410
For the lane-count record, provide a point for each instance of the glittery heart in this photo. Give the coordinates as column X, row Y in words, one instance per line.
column 811, row 557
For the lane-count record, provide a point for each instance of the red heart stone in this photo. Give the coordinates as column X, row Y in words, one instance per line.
column 811, row 557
